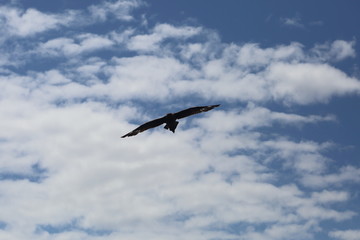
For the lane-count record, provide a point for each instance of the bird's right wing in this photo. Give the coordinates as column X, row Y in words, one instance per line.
column 146, row 126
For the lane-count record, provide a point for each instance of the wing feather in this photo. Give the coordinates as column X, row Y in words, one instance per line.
column 146, row 126
column 194, row 110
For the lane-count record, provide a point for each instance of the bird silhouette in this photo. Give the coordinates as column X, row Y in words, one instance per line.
column 170, row 120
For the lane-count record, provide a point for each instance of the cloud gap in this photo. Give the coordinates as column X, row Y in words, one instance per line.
column 37, row 175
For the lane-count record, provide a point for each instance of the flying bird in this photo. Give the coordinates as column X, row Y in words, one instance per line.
column 170, row 119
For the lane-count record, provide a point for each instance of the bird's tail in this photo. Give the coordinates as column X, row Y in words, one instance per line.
column 172, row 126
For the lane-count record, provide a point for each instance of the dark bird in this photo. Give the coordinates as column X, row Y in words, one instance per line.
column 170, row 119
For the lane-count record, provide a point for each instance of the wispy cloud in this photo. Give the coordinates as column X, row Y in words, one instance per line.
column 65, row 173
column 75, row 46
column 345, row 174
column 335, row 51
column 293, row 22
column 120, row 9
column 299, row 23
column 22, row 23
column 28, row 22
column 345, row 234
column 161, row 32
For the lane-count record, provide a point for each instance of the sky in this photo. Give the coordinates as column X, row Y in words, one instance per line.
column 279, row 159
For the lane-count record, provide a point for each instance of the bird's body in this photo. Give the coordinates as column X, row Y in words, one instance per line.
column 171, row 122
column 170, row 119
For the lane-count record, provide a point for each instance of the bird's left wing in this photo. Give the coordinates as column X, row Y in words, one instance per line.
column 194, row 110
column 146, row 126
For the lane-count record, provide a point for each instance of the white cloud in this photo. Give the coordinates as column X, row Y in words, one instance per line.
column 253, row 117
column 345, row 234
column 167, row 30
column 330, row 196
column 335, row 51
column 293, row 22
column 322, row 213
column 281, row 231
column 29, row 22
column 66, row 174
column 304, row 157
column 263, row 74
column 345, row 174
column 253, row 55
column 52, row 77
column 144, row 77
column 308, row 83
column 120, row 9
column 23, row 23
column 89, row 167
column 81, row 44
column 150, row 42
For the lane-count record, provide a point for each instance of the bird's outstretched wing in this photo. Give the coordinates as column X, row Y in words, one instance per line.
column 194, row 110
column 146, row 126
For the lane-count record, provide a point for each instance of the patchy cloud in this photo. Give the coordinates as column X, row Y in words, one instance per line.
column 81, row 44
column 306, row 83
column 233, row 173
column 120, row 9
column 335, row 51
column 293, row 22
column 345, row 174
column 161, row 32
column 28, row 22
column 345, row 234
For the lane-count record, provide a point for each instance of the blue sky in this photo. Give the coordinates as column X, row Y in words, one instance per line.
column 278, row 160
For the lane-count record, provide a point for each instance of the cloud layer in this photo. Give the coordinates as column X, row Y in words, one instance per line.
column 233, row 173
